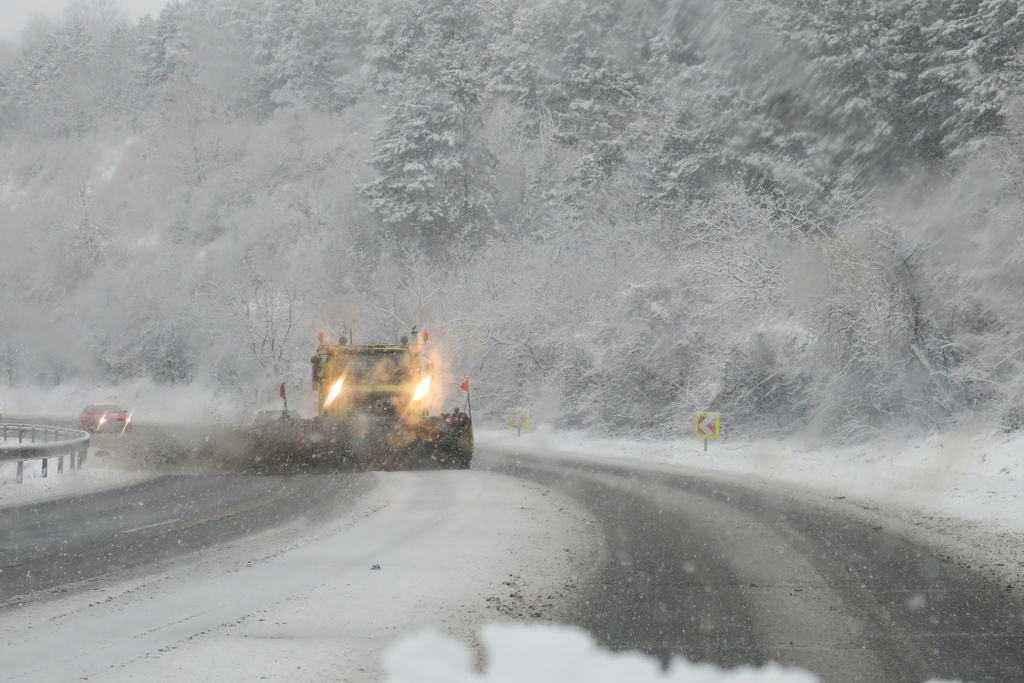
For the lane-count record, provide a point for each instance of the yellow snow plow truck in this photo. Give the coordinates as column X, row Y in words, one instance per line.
column 373, row 410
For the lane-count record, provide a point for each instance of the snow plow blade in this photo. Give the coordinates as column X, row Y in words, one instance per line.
column 361, row 443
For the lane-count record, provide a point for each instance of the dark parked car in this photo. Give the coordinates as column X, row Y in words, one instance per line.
column 105, row 417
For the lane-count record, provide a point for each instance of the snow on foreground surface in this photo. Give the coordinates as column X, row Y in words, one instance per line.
column 517, row 653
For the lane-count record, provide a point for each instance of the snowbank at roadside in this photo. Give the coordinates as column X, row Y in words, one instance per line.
column 969, row 476
column 98, row 474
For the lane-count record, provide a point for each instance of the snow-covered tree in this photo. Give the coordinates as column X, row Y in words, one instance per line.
column 433, row 188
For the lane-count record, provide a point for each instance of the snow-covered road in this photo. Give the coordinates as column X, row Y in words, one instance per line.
column 305, row 603
column 307, row 597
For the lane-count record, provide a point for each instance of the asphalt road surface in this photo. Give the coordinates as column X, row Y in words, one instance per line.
column 737, row 575
column 59, row 542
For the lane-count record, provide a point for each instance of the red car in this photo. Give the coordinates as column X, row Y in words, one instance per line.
column 105, row 417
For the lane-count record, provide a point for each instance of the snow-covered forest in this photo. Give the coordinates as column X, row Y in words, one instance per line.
column 806, row 214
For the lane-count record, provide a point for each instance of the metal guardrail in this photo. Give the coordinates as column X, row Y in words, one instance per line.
column 21, row 442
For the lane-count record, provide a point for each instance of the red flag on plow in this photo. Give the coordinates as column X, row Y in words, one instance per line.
column 282, row 389
column 464, row 386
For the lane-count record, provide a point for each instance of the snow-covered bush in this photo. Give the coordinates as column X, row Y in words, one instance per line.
column 766, row 380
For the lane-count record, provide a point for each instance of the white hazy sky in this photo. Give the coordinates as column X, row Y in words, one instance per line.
column 14, row 13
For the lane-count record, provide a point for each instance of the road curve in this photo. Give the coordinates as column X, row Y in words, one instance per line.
column 736, row 575
column 56, row 543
